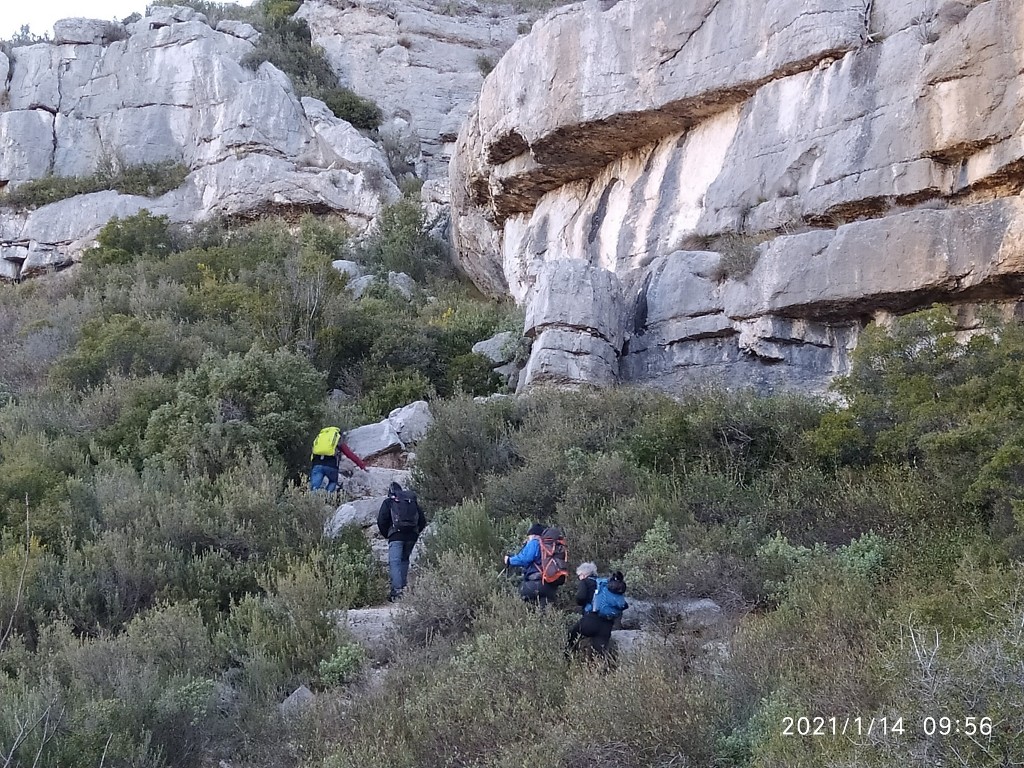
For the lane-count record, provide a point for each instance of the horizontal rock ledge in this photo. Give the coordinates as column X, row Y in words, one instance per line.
column 896, row 263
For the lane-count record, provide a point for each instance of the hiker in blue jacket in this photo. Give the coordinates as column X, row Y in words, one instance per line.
column 602, row 602
column 532, row 589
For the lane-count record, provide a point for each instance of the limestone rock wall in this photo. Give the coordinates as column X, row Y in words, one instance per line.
column 168, row 87
column 762, row 178
column 421, row 61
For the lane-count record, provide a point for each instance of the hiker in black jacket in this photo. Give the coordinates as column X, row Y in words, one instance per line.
column 401, row 521
column 594, row 625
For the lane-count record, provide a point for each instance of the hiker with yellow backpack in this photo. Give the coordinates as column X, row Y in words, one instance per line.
column 327, row 448
column 544, row 562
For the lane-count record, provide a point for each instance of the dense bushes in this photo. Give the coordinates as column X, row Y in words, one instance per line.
column 168, row 584
column 865, row 545
column 156, row 409
column 286, row 43
column 146, row 179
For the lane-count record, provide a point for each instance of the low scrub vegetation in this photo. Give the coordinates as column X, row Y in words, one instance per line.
column 287, row 44
column 146, row 179
column 164, row 581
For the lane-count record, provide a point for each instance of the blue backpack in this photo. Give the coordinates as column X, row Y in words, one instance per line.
column 606, row 603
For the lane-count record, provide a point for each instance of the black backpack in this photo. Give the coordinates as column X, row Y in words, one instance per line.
column 405, row 513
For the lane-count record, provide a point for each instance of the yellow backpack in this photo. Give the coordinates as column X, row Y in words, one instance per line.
column 326, row 442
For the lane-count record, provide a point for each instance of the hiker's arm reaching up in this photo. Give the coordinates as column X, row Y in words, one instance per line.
column 352, row 456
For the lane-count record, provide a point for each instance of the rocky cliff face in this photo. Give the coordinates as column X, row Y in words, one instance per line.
column 422, row 64
column 168, row 87
column 736, row 187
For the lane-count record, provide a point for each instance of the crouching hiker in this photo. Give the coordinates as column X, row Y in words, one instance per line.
column 401, row 521
column 602, row 602
column 543, row 561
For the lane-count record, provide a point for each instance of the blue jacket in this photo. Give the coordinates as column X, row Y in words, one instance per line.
column 527, row 558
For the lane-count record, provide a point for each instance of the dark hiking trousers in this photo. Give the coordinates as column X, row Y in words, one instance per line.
column 598, row 630
column 535, row 591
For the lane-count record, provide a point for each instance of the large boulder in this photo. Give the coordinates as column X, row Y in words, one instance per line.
column 374, row 482
column 361, row 513
column 374, row 439
column 87, row 32
column 498, row 349
column 374, row 628
column 678, row 613
column 402, row 283
column 629, row 644
column 411, row 422
column 298, row 701
column 351, row 269
column 239, row 29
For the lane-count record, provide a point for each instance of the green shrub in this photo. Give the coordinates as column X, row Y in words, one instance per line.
column 467, row 528
column 399, row 390
column 227, row 408
column 446, row 598
column 146, row 179
column 343, row 666
column 649, row 711
column 654, row 562
column 276, row 645
column 467, row 441
column 452, row 714
column 121, row 345
column 816, row 644
column 473, row 375
column 485, row 64
column 353, row 108
column 401, row 242
column 122, row 240
column 278, row 9
column 216, row 12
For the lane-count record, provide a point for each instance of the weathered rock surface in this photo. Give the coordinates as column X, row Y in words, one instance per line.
column 374, row 439
column 680, row 613
column 298, row 701
column 373, row 627
column 361, row 512
column 374, row 482
column 421, row 65
column 498, row 349
column 761, row 178
column 632, row 643
column 360, row 285
column 350, row 268
column 575, row 317
column 172, row 89
column 402, row 283
column 411, row 421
